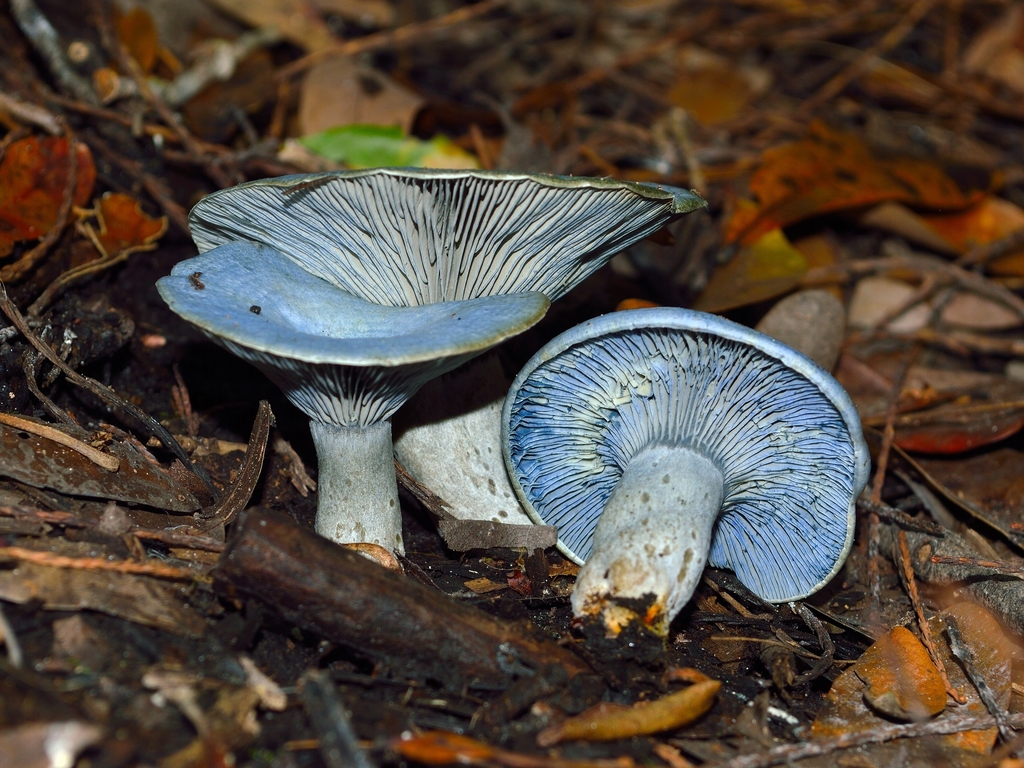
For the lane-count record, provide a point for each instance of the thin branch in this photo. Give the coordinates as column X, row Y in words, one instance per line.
column 103, row 392
column 902, row 557
column 157, row 570
column 883, row 733
column 392, row 37
column 890, row 40
column 99, row 458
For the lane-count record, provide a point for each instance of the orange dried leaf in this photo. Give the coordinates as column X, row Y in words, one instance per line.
column 124, row 225
column 895, row 676
column 989, row 220
column 137, row 33
column 832, row 170
column 634, row 304
column 483, row 585
column 442, row 748
column 33, row 175
column 902, row 681
column 713, row 97
column 714, row 88
column 607, row 722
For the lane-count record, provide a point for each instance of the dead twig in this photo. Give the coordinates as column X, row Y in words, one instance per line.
column 30, row 113
column 156, row 570
column 890, row 40
column 1001, row 595
column 178, row 539
column 900, row 518
column 105, row 261
column 392, row 37
column 881, row 467
column 963, row 652
column 879, row 735
column 997, row 565
column 902, row 557
column 183, row 403
column 332, row 723
column 97, row 457
column 981, row 255
column 828, row 648
column 103, row 392
column 69, row 520
column 166, row 114
column 154, row 186
column 297, row 473
column 30, row 363
column 44, row 38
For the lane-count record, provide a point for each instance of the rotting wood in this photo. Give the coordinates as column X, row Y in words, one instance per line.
column 342, row 596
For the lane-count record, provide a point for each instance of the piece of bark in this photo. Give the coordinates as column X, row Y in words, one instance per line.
column 463, row 535
column 42, row 463
column 1000, row 593
column 340, row 595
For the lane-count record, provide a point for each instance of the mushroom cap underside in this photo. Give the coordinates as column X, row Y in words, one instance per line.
column 407, row 236
column 257, row 298
column 782, row 431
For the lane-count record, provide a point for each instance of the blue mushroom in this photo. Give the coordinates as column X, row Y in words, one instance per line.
column 658, row 440
column 352, row 289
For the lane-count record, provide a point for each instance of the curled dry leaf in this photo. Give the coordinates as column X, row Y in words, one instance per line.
column 33, row 175
column 897, row 677
column 765, row 267
column 124, row 226
column 443, row 748
column 832, row 170
column 607, row 722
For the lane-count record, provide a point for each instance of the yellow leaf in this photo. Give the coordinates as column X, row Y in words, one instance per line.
column 769, row 267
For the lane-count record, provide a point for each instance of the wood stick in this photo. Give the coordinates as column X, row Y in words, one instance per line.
column 346, row 598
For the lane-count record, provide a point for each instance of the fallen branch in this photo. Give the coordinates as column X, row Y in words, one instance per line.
column 346, row 598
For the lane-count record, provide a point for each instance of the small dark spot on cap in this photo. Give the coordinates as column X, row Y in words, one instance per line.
column 255, row 309
column 196, row 282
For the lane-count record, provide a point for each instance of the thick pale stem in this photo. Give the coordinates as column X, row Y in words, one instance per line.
column 357, row 491
column 652, row 540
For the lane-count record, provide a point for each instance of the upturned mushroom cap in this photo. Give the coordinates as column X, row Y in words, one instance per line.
column 781, row 431
column 339, row 358
column 407, row 236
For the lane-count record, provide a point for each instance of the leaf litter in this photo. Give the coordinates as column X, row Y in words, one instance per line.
column 872, row 151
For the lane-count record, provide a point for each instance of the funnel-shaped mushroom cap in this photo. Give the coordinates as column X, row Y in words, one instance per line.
column 781, row 431
column 405, row 236
column 339, row 358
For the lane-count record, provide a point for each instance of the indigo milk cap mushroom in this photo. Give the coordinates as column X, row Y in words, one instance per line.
column 393, row 238
column 660, row 439
column 347, row 363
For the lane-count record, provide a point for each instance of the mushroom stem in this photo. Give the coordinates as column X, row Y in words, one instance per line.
column 652, row 539
column 356, row 487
